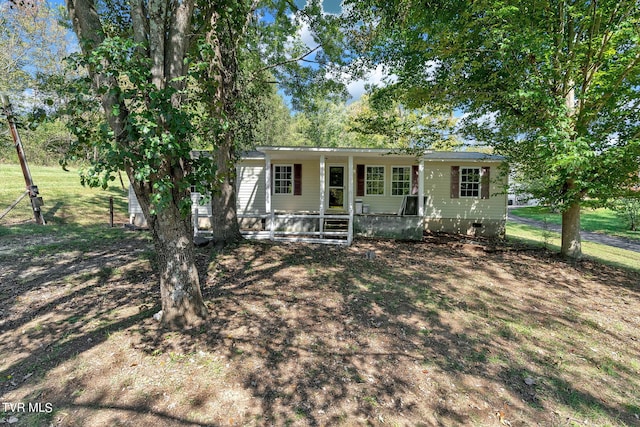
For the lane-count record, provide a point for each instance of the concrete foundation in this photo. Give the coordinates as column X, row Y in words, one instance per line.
column 377, row 226
column 295, row 224
column 388, row 226
column 470, row 227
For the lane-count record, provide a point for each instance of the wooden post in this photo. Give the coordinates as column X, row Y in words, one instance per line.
column 267, row 196
column 111, row 211
column 36, row 201
column 421, row 189
column 351, row 200
column 322, row 195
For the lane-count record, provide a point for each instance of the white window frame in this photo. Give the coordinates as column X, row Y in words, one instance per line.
column 366, row 180
column 408, row 182
column 277, row 187
column 475, row 187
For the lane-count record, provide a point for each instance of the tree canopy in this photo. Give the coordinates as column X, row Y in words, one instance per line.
column 32, row 43
column 170, row 76
column 553, row 85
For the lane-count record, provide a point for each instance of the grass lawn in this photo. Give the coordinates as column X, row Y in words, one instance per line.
column 66, row 202
column 444, row 332
column 594, row 220
column 551, row 240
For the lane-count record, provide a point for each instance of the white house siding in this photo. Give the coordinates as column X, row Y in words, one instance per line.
column 251, row 187
column 443, row 213
column 309, row 200
column 386, row 204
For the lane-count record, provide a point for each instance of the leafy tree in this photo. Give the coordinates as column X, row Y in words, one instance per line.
column 170, row 76
column 244, row 57
column 322, row 123
column 139, row 84
column 326, row 122
column 628, row 209
column 384, row 121
column 44, row 145
column 554, row 85
column 32, row 43
column 273, row 122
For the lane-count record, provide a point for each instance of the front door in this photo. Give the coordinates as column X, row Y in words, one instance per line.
column 336, row 187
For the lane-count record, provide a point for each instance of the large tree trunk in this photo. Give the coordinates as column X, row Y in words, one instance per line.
column 182, row 303
column 223, row 68
column 571, row 244
column 224, row 218
column 167, row 34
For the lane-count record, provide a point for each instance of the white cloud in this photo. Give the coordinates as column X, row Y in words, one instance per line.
column 356, row 88
column 305, row 34
column 377, row 77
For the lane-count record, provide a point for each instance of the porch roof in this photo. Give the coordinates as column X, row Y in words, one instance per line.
column 316, row 152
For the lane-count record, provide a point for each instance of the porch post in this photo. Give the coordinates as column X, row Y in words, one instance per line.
column 267, row 196
column 322, row 191
column 421, row 190
column 351, row 201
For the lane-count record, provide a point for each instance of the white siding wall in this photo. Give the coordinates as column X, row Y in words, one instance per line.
column 439, row 206
column 251, row 187
column 386, row 204
column 309, row 200
column 439, row 203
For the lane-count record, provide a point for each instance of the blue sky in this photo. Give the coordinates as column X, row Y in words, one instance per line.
column 329, row 6
column 355, row 88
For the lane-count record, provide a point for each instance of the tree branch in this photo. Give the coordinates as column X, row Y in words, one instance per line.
column 595, row 108
column 140, row 24
column 288, row 61
column 157, row 37
column 247, row 22
column 88, row 27
column 178, row 41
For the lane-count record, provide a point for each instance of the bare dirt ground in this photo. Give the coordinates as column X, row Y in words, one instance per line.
column 442, row 332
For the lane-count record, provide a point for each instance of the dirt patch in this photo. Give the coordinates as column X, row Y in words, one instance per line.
column 440, row 332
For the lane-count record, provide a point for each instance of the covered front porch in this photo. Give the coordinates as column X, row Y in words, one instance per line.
column 316, row 195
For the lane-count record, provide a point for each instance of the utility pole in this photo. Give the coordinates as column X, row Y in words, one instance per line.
column 31, row 189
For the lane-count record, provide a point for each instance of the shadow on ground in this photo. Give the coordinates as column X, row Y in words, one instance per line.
column 445, row 332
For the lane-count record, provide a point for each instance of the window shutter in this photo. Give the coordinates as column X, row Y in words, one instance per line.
column 297, row 179
column 455, row 182
column 415, row 173
column 360, row 180
column 485, row 177
column 273, row 179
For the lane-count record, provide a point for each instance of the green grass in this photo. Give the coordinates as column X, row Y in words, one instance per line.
column 82, row 214
column 602, row 253
column 66, row 201
column 594, row 220
column 78, row 216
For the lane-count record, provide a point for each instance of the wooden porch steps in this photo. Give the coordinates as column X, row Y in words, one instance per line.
column 333, row 224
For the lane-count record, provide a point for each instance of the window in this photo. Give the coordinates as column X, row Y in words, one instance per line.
column 469, row 182
column 400, row 181
column 374, row 181
column 283, row 179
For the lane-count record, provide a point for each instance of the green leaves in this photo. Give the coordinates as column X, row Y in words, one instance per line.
column 155, row 144
column 554, row 86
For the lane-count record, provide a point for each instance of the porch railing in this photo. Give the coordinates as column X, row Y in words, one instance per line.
column 272, row 230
